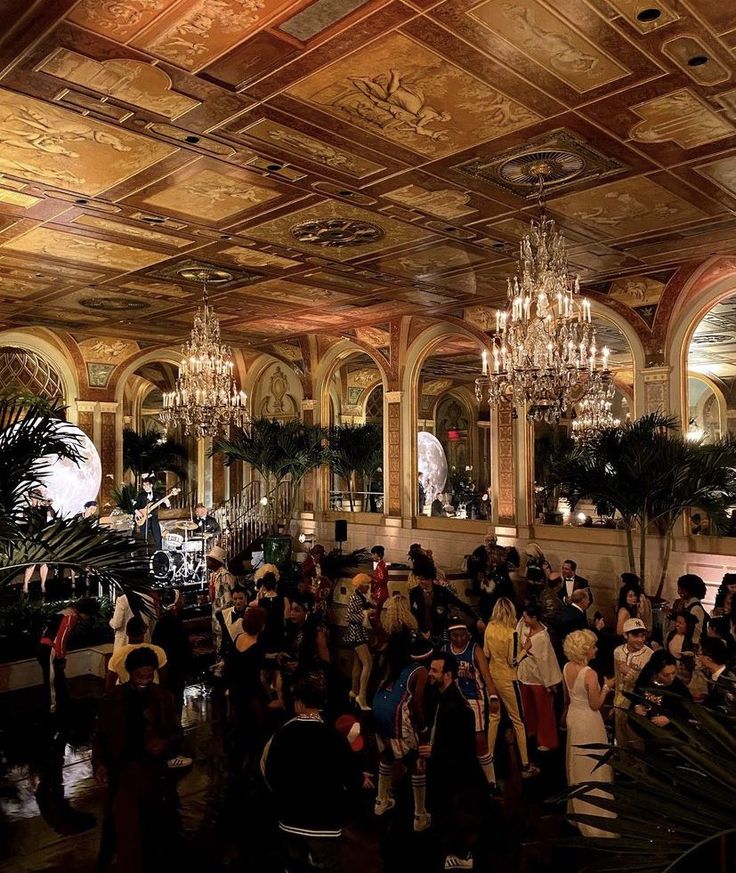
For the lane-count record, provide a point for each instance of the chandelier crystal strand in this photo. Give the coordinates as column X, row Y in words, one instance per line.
column 593, row 413
column 205, row 400
column 544, row 352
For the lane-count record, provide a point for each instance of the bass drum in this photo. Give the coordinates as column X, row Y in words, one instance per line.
column 164, row 565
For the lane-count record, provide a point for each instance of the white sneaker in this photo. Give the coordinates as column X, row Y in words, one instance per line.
column 422, row 821
column 179, row 762
column 455, row 862
column 382, row 806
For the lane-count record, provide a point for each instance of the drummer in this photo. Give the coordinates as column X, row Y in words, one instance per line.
column 205, row 522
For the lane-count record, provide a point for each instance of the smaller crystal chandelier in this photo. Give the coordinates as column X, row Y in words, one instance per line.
column 544, row 347
column 205, row 400
column 593, row 414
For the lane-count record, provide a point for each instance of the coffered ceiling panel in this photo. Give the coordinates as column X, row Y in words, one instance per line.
column 349, row 162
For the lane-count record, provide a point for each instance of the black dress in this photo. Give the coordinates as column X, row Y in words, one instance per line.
column 247, row 694
column 272, row 637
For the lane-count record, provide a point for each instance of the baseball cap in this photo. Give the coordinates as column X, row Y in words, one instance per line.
column 634, row 624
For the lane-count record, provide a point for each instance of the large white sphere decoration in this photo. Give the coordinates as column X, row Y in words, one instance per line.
column 68, row 485
column 432, row 462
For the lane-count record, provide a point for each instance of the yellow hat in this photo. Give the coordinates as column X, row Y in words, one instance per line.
column 361, row 579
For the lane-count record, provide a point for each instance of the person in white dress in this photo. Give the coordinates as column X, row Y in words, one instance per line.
column 584, row 698
column 122, row 615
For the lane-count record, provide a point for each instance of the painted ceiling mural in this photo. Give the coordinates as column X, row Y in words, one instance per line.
column 351, row 162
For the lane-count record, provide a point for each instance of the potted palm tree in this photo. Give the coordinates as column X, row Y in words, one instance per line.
column 282, row 453
column 550, row 445
column 650, row 474
column 356, row 450
column 152, row 452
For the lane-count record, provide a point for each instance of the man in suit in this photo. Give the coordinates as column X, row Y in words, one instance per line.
column 205, row 522
column 431, row 603
column 713, row 659
column 150, row 529
column 571, row 582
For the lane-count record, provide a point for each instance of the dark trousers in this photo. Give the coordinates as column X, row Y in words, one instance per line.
column 307, row 854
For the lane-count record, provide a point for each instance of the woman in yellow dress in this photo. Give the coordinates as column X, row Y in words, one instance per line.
column 504, row 652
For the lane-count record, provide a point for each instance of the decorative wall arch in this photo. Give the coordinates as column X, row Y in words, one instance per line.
column 326, row 368
column 707, row 288
column 713, row 386
column 638, row 356
column 46, row 344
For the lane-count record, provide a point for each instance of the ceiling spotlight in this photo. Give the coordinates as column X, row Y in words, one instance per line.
column 191, row 138
column 647, row 15
column 697, row 61
column 274, row 168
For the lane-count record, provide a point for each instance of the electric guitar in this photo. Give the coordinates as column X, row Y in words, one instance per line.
column 141, row 515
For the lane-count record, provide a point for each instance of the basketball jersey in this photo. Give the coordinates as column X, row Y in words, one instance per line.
column 391, row 706
column 467, row 672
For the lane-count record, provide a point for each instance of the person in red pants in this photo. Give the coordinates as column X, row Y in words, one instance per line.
column 538, row 674
column 379, row 592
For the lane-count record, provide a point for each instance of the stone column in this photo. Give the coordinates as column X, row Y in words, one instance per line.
column 110, row 445
column 657, row 390
column 392, row 455
column 309, row 484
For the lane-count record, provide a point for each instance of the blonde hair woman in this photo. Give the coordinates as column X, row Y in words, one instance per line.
column 356, row 637
column 396, row 615
column 501, row 647
column 584, row 698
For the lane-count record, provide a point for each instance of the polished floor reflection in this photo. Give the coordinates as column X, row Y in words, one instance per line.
column 225, row 819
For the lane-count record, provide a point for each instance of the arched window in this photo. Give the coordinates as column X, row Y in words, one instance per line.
column 26, row 373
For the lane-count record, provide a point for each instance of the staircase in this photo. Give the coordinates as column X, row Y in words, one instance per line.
column 244, row 519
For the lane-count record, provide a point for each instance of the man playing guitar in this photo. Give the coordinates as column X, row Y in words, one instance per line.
column 146, row 512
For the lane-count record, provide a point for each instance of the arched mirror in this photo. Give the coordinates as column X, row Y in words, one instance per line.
column 355, row 394
column 585, row 416
column 453, row 434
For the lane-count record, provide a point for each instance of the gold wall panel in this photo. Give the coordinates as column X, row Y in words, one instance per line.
column 374, row 337
column 154, row 236
column 273, row 133
column 399, row 89
column 106, row 350
column 627, row 207
column 210, row 195
column 133, row 82
column 395, row 233
column 533, row 28
column 680, row 117
column 51, row 145
column 637, row 291
column 46, row 242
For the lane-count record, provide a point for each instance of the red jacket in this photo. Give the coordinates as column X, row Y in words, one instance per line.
column 379, row 584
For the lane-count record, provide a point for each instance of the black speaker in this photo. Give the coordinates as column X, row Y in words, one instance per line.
column 341, row 530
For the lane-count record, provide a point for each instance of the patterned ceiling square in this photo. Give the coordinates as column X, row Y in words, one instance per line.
column 299, row 295
column 536, row 29
column 172, row 272
column 569, row 158
column 121, row 229
column 318, row 16
column 56, row 147
column 627, row 207
column 208, row 193
column 431, row 260
column 399, row 89
column 338, row 230
column 50, row 243
column 722, row 172
column 273, row 133
column 245, row 257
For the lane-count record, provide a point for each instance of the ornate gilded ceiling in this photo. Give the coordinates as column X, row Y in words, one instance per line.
column 350, row 162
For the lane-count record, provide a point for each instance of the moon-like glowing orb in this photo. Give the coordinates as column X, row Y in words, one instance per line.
column 68, row 485
column 431, row 461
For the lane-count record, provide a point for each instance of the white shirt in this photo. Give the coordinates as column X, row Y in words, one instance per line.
column 119, row 622
column 627, row 666
column 540, row 667
column 569, row 587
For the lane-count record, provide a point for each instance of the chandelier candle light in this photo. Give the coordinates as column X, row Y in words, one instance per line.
column 206, row 399
column 544, row 353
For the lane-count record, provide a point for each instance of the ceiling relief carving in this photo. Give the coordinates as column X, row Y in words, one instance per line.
column 337, row 233
column 428, row 261
column 129, row 81
column 394, row 233
column 273, row 133
column 681, row 117
column 209, row 195
column 627, row 207
column 253, row 258
column 722, row 172
column 51, row 145
column 107, row 350
column 191, row 34
column 50, row 243
column 118, row 227
column 415, row 105
column 119, row 19
column 535, row 29
column 442, row 203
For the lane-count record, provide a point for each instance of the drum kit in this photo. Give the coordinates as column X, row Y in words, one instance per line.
column 183, row 558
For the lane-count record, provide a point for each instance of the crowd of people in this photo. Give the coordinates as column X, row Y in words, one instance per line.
column 431, row 680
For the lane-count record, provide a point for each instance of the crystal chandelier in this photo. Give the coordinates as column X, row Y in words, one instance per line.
column 593, row 414
column 544, row 353
column 205, row 400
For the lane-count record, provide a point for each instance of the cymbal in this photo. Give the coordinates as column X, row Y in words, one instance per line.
column 187, row 525
column 205, row 535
